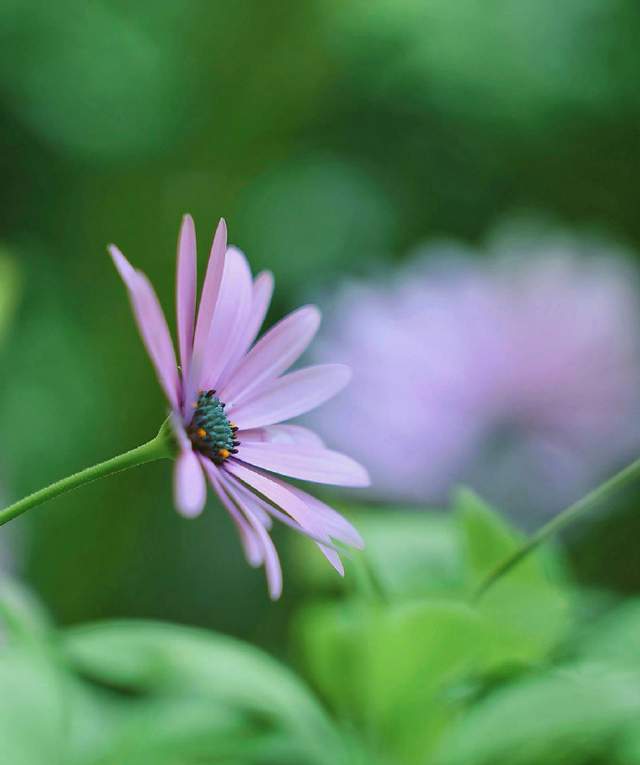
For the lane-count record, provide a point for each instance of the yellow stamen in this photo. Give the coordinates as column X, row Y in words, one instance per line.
column 201, row 433
column 224, row 453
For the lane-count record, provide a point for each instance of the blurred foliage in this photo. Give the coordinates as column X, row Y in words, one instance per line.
column 404, row 672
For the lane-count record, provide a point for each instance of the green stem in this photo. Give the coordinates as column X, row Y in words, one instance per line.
column 158, row 448
column 563, row 519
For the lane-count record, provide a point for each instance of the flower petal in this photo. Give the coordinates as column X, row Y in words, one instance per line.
column 319, row 521
column 308, row 463
column 321, row 540
column 333, row 558
column 276, row 493
column 186, row 293
column 190, row 487
column 260, row 299
column 208, row 300
column 152, row 326
column 291, row 395
column 273, row 354
column 272, row 566
column 260, row 302
column 251, row 544
column 282, row 434
column 336, row 525
column 229, row 318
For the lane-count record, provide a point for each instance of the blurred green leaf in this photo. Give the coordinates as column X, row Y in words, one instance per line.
column 384, row 666
column 412, row 553
column 568, row 716
column 32, row 709
column 615, row 638
column 162, row 659
column 91, row 80
column 526, row 612
column 20, row 613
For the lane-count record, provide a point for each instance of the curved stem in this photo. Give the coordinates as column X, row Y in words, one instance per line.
column 579, row 508
column 158, row 448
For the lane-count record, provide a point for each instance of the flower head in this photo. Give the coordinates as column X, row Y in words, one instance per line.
column 518, row 373
column 231, row 395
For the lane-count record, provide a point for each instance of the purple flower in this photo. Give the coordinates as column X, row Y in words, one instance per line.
column 517, row 374
column 230, row 396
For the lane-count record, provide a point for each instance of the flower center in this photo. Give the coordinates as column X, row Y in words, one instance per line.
column 210, row 431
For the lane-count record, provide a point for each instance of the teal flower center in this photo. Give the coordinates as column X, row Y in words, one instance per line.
column 210, row 431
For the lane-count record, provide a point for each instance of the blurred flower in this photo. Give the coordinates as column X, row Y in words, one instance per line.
column 518, row 374
column 230, row 396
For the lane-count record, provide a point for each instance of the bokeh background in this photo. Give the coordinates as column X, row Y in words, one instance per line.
column 352, row 147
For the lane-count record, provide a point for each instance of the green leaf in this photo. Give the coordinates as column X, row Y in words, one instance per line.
column 32, row 709
column 615, row 638
column 413, row 553
column 527, row 610
column 180, row 662
column 569, row 716
column 21, row 614
column 385, row 666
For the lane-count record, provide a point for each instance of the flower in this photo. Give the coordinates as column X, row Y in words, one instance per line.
column 517, row 374
column 230, row 398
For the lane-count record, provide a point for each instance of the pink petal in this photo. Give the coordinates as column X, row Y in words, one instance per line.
column 336, row 525
column 318, row 520
column 259, row 508
column 270, row 554
column 262, row 508
column 273, row 354
column 229, row 318
column 273, row 491
column 208, row 299
column 260, row 299
column 190, row 488
column 186, row 293
column 305, row 462
column 254, row 502
column 282, row 434
column 291, row 395
column 152, row 326
column 253, row 549
column 333, row 558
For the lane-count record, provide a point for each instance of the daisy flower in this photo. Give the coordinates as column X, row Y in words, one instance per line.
column 231, row 396
column 517, row 374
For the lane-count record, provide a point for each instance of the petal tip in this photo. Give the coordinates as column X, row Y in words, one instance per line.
column 345, row 374
column 275, row 594
column 124, row 268
column 360, row 475
column 312, row 315
column 190, row 490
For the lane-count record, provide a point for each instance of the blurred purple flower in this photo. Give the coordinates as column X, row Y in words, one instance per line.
column 517, row 374
column 230, row 397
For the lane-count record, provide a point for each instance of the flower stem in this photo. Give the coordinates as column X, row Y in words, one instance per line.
column 158, row 448
column 563, row 519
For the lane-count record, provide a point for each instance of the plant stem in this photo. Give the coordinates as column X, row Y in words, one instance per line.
column 158, row 448
column 563, row 519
